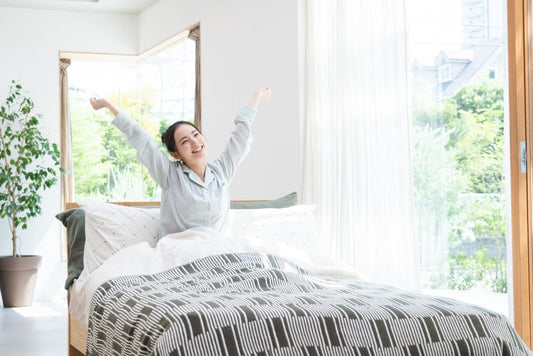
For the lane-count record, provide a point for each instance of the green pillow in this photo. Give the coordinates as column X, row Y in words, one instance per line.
column 286, row 201
column 74, row 221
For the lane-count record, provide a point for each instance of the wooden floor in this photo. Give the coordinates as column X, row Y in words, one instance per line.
column 37, row 330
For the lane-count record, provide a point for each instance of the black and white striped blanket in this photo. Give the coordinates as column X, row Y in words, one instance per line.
column 256, row 304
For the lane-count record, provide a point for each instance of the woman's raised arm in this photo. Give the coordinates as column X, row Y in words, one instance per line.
column 99, row 103
column 148, row 154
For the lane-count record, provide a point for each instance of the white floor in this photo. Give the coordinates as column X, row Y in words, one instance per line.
column 37, row 330
column 497, row 302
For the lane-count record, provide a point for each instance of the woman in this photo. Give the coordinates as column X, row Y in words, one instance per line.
column 194, row 193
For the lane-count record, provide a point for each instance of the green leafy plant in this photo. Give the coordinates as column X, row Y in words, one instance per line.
column 459, row 186
column 27, row 161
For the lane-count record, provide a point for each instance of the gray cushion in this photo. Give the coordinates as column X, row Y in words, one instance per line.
column 74, row 221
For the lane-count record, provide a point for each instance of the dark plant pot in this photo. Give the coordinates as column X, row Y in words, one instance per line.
column 17, row 279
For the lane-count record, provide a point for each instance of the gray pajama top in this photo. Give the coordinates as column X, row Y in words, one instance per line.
column 186, row 201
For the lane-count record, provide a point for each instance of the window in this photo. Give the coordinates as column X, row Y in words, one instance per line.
column 155, row 92
column 445, row 73
column 458, row 150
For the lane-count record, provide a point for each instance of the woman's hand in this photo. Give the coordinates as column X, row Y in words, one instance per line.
column 260, row 94
column 264, row 93
column 98, row 103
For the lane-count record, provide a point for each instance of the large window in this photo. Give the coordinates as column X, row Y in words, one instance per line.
column 156, row 92
column 459, row 130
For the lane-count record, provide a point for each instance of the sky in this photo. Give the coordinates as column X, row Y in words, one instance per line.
column 433, row 25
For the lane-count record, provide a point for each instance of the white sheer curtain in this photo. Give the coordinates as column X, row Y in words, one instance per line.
column 356, row 135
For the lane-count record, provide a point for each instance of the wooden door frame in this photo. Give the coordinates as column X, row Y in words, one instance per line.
column 519, row 57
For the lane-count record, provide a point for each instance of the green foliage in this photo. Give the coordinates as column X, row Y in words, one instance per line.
column 459, row 183
column 105, row 165
column 433, row 169
column 435, row 189
column 477, row 215
column 24, row 170
column 462, row 272
column 130, row 187
column 90, row 165
column 466, row 271
column 477, row 129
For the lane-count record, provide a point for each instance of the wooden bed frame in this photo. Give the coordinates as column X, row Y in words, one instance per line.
column 77, row 331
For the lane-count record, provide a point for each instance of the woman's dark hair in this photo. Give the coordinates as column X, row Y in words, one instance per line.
column 168, row 136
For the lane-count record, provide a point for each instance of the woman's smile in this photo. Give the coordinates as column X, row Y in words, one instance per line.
column 198, row 149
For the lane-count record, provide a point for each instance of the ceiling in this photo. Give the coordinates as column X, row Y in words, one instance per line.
column 133, row 7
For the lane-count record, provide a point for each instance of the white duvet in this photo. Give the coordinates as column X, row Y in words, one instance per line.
column 181, row 248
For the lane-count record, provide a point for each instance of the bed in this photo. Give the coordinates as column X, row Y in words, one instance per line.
column 199, row 293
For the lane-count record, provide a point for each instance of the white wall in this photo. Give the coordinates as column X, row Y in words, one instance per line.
column 245, row 44
column 30, row 41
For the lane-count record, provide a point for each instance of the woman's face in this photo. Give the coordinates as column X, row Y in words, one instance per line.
column 190, row 144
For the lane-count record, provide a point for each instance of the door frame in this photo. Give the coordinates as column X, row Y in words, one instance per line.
column 520, row 60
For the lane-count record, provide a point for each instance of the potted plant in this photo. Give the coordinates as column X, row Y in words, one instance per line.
column 27, row 161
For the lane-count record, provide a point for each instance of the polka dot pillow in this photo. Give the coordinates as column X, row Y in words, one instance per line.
column 110, row 228
column 294, row 225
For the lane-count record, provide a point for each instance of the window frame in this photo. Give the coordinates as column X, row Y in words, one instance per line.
column 520, row 59
column 192, row 32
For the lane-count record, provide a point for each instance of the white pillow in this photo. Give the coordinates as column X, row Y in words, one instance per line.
column 111, row 227
column 295, row 225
